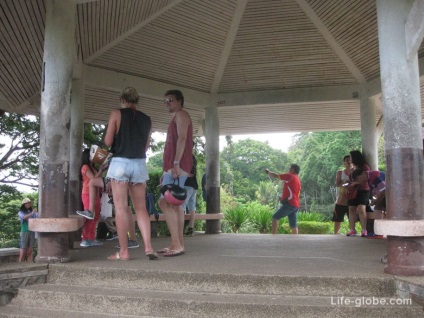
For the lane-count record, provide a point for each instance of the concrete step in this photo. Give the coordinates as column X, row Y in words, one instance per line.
column 12, row 311
column 221, row 283
column 156, row 303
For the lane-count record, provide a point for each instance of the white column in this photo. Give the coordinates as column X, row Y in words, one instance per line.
column 212, row 166
column 58, row 59
column 368, row 129
column 404, row 226
column 76, row 138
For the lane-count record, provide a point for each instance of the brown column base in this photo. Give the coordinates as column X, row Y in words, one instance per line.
column 213, row 205
column 52, row 248
column 405, row 256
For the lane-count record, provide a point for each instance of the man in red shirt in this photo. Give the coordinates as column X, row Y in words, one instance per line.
column 289, row 198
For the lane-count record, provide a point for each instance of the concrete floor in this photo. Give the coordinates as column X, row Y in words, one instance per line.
column 308, row 255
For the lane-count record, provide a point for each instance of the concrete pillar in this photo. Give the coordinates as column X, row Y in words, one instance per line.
column 76, row 141
column 58, row 59
column 212, row 168
column 368, row 129
column 403, row 145
column 75, row 146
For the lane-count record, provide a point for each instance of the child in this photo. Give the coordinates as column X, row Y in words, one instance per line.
column 27, row 237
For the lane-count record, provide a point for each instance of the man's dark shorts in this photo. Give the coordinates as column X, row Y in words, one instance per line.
column 339, row 212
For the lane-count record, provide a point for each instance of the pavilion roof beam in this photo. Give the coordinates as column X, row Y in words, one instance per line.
column 414, row 28
column 226, row 51
column 310, row 13
column 295, row 95
column 84, row 1
column 112, row 80
column 131, row 31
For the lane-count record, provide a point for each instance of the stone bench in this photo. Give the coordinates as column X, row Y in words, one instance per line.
column 9, row 255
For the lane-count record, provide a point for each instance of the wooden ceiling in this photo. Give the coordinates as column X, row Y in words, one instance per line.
column 271, row 65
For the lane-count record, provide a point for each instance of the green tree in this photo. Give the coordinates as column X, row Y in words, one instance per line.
column 19, row 149
column 245, row 161
column 267, row 193
column 319, row 156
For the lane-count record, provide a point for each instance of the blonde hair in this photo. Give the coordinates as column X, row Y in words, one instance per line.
column 130, row 95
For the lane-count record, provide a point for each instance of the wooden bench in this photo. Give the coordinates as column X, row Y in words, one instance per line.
column 197, row 216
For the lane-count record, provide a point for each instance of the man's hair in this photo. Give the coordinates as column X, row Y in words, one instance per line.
column 177, row 94
column 130, row 95
column 296, row 168
column 345, row 157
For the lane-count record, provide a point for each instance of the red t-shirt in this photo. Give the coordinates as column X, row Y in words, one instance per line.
column 291, row 188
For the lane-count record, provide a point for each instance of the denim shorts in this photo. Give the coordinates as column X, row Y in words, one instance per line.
column 168, row 179
column 190, row 202
column 287, row 210
column 128, row 170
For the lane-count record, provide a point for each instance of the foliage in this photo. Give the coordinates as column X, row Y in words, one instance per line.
column 261, row 217
column 237, row 219
column 315, row 227
column 10, row 225
column 267, row 193
column 319, row 156
column 310, row 217
column 19, row 154
column 94, row 134
column 243, row 164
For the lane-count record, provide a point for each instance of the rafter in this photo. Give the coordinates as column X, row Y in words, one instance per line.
column 310, row 13
column 136, row 28
column 226, row 51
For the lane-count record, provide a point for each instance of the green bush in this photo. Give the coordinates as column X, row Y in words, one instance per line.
column 313, row 227
column 237, row 220
column 261, row 217
column 9, row 243
column 310, row 217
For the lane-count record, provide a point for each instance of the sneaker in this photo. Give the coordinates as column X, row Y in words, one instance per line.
column 86, row 243
column 189, row 232
column 96, row 243
column 112, row 236
column 364, row 233
column 87, row 214
column 384, row 259
column 131, row 244
column 351, row 233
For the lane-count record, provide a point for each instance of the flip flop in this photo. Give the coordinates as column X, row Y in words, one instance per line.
column 172, row 253
column 164, row 250
column 152, row 256
column 117, row 257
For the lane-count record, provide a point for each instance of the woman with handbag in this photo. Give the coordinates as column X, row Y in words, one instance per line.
column 358, row 193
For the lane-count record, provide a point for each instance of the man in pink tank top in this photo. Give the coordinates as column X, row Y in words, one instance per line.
column 177, row 163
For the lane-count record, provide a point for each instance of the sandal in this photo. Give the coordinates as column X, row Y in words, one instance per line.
column 117, row 257
column 172, row 253
column 164, row 250
column 152, row 256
